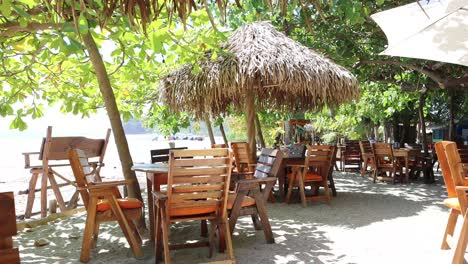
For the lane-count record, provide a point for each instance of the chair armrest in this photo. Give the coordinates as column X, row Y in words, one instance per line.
column 159, row 196
column 461, row 188
column 105, row 185
column 27, row 160
column 295, row 165
column 259, row 181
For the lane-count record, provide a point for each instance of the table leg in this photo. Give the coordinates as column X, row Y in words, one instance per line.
column 406, row 169
column 149, row 188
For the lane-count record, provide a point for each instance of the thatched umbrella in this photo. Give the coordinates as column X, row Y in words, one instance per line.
column 262, row 63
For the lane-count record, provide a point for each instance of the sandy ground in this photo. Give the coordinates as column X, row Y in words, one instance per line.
column 366, row 223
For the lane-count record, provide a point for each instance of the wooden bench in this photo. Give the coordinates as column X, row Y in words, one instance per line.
column 8, row 254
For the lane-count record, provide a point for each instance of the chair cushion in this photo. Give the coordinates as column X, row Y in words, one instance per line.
column 248, row 201
column 193, row 211
column 309, row 177
column 452, row 203
column 125, row 203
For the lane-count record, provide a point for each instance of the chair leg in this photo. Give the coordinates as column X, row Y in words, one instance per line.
column 157, row 234
column 459, row 256
column 256, row 221
column 327, row 192
column 165, row 234
column 134, row 229
column 213, row 226
column 31, row 193
column 124, row 225
column 264, row 218
column 290, row 187
column 204, row 228
column 451, row 223
column 89, row 230
column 302, row 189
column 364, row 168
column 228, row 238
column 95, row 235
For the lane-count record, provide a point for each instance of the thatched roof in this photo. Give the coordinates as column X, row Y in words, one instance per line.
column 281, row 72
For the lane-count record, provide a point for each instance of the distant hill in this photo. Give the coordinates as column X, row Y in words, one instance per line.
column 134, row 126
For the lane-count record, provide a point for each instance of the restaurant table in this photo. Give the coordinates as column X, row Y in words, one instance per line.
column 285, row 162
column 156, row 175
column 406, row 153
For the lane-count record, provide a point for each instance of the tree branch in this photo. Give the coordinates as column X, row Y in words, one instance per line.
column 11, row 28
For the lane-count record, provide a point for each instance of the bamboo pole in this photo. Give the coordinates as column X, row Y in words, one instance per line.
column 223, row 133
column 250, row 120
column 210, row 130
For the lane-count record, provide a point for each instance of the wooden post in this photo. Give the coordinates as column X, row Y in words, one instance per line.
column 451, row 133
column 223, row 133
column 210, row 130
column 427, row 169
column 259, row 132
column 250, row 120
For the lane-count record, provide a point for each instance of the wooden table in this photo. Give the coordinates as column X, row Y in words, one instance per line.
column 156, row 175
column 286, row 161
column 406, row 153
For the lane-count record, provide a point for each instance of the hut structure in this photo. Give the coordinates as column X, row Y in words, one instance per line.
column 260, row 67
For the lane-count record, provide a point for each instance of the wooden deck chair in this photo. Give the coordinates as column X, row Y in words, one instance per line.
column 315, row 172
column 367, row 157
column 197, row 189
column 161, row 155
column 53, row 154
column 452, row 201
column 103, row 203
column 385, row 163
column 461, row 204
column 250, row 198
column 8, row 253
column 243, row 157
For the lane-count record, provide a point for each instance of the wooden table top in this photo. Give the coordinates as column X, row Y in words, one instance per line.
column 151, row 167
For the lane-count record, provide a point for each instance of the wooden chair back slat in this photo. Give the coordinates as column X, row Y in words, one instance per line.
column 242, row 155
column 444, row 166
column 319, row 159
column 161, row 155
column 455, row 163
column 82, row 172
column 198, row 178
column 383, row 150
column 268, row 163
column 365, row 147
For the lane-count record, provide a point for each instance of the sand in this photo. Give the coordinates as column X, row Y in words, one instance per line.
column 366, row 223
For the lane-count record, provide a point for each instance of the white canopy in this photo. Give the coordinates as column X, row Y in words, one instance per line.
column 430, row 29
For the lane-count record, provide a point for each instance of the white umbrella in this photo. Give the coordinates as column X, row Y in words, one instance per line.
column 430, row 29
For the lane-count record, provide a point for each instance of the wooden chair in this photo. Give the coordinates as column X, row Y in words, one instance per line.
column 243, row 157
column 315, row 172
column 197, row 189
column 367, row 156
column 52, row 155
column 461, row 204
column 452, row 200
column 103, row 203
column 161, row 155
column 8, row 253
column 249, row 198
column 351, row 154
column 385, row 163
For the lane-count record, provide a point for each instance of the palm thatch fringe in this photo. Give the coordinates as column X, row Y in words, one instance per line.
column 281, row 71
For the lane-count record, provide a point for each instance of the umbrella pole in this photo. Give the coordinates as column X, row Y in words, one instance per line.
column 250, row 121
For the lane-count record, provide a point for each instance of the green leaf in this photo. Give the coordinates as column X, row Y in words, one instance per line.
column 5, row 7
column 380, row 2
column 21, row 12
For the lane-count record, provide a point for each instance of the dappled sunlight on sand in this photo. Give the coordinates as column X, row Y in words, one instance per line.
column 355, row 228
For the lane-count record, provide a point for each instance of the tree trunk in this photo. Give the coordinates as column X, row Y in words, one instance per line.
column 223, row 133
column 114, row 115
column 376, row 132
column 259, row 132
column 250, row 116
column 210, row 130
column 451, row 132
column 422, row 122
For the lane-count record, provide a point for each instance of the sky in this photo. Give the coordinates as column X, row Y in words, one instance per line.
column 62, row 124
